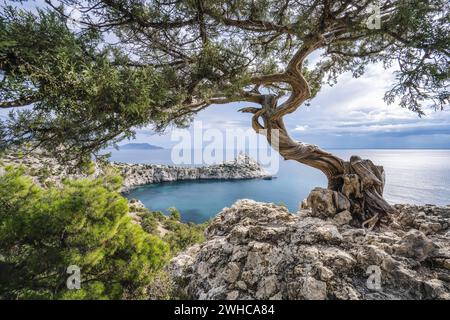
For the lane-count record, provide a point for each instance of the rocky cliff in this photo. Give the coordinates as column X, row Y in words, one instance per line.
column 45, row 169
column 261, row 251
column 243, row 167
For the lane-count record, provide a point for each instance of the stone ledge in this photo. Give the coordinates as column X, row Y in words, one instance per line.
column 258, row 250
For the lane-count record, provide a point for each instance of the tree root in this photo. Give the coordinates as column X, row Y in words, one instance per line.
column 371, row 222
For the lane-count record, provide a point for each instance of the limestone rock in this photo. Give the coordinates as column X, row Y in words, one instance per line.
column 231, row 273
column 312, row 289
column 415, row 245
column 343, row 217
column 134, row 175
column 261, row 251
column 325, row 203
column 243, row 167
column 267, row 287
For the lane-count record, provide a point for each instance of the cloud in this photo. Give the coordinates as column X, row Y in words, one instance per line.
column 301, row 128
column 353, row 113
column 350, row 114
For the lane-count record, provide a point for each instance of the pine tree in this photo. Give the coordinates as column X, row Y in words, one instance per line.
column 84, row 223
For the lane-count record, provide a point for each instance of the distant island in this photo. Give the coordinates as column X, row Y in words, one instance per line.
column 140, row 146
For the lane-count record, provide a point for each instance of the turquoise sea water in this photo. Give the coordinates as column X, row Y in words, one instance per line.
column 413, row 176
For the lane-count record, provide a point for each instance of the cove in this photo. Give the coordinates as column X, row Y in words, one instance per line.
column 200, row 200
column 424, row 178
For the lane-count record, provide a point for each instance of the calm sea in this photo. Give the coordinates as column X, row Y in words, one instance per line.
column 413, row 176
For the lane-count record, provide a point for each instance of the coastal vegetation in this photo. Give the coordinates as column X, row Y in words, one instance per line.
column 176, row 234
column 85, row 223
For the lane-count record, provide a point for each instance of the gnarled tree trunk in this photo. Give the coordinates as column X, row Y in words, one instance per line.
column 358, row 183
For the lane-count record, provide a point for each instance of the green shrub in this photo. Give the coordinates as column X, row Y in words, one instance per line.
column 179, row 235
column 174, row 214
column 183, row 235
column 83, row 223
column 150, row 224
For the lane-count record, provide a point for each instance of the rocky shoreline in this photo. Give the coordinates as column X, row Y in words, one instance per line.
column 43, row 169
column 261, row 251
column 243, row 167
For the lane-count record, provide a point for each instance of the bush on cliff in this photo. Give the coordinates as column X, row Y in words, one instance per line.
column 83, row 223
column 183, row 235
column 179, row 235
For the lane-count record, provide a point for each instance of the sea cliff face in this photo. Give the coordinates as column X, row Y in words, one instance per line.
column 44, row 169
column 243, row 167
column 261, row 251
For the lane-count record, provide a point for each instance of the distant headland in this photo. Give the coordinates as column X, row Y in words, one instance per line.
column 139, row 146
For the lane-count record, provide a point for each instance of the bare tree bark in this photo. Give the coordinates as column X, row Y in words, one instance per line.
column 359, row 181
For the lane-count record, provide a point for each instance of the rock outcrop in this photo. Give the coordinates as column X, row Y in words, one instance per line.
column 42, row 168
column 243, row 167
column 261, row 251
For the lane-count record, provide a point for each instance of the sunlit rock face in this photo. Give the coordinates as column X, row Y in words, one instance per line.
column 243, row 167
column 261, row 251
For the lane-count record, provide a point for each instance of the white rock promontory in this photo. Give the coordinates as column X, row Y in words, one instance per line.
column 243, row 167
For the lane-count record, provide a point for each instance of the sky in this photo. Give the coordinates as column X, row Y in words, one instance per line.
column 350, row 114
